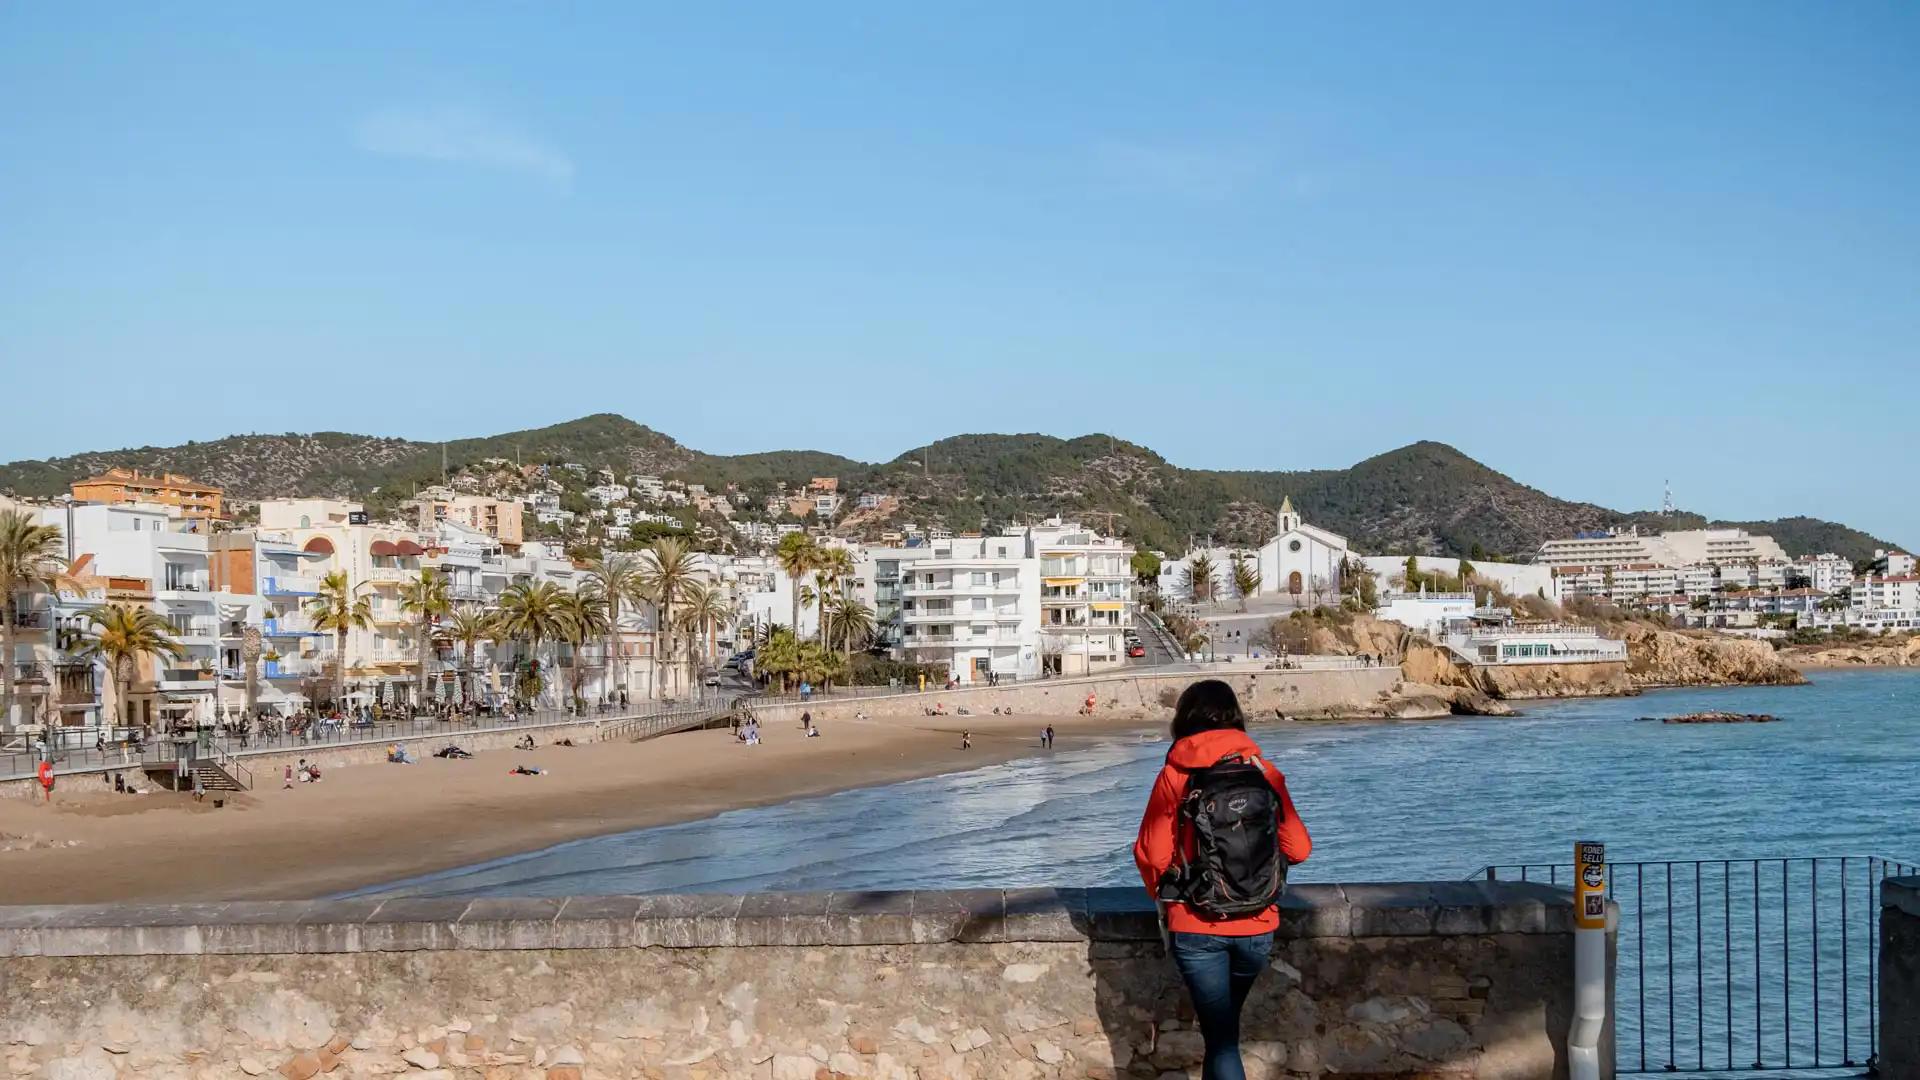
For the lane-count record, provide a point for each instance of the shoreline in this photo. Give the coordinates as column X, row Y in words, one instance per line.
column 358, row 829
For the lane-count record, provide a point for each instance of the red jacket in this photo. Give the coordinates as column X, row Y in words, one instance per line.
column 1153, row 851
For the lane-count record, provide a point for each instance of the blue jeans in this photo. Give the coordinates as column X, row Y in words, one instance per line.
column 1219, row 973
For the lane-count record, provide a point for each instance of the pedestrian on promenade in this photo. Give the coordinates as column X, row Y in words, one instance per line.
column 1214, row 845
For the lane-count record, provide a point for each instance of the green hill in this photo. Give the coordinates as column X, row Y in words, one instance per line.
column 1425, row 497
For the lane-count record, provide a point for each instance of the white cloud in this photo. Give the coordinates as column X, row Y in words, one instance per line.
column 1194, row 172
column 461, row 135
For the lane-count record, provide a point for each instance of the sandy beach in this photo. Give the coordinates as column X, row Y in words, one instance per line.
column 369, row 824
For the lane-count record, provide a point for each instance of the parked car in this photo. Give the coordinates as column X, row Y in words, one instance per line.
column 1136, row 649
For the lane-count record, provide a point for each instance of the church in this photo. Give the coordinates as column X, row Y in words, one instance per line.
column 1302, row 562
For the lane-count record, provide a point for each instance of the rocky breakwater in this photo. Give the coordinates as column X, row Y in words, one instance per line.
column 1657, row 657
column 1455, row 979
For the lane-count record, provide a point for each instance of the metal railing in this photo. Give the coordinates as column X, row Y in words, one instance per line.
column 1742, row 964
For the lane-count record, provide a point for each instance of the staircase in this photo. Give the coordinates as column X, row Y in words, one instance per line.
column 221, row 772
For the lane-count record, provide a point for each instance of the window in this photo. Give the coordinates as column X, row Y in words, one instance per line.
column 979, row 603
column 1001, row 551
column 979, row 577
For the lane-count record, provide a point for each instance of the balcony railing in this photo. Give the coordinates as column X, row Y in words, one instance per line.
column 31, row 620
column 290, row 585
column 289, row 626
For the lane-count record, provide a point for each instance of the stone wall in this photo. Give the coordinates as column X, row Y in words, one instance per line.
column 1900, row 978
column 1462, row 980
column 1357, row 691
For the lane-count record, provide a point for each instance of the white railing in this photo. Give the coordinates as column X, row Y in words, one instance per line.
column 292, row 583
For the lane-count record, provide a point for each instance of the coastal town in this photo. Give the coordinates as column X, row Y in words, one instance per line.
column 154, row 601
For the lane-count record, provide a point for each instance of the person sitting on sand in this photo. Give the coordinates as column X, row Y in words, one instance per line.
column 812, row 732
column 525, row 743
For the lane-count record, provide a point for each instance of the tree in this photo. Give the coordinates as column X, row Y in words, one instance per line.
column 1412, row 574
column 1146, row 567
column 530, row 611
column 1246, row 577
column 335, row 610
column 1366, row 591
column 779, row 655
column 796, row 554
column 424, row 598
column 250, row 664
column 833, row 567
column 1201, row 583
column 853, row 621
column 29, row 558
column 617, row 575
column 706, row 608
column 665, row 570
column 583, row 615
column 1477, row 553
column 123, row 634
column 468, row 626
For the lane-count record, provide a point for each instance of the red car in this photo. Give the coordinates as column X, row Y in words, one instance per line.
column 1136, row 650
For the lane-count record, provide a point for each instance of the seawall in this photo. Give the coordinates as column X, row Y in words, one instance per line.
column 1449, row 979
column 1346, row 691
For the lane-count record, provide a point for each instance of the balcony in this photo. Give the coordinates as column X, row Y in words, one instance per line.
column 30, row 673
column 393, row 574
column 294, row 667
column 289, row 626
column 290, row 585
column 193, row 629
column 32, row 620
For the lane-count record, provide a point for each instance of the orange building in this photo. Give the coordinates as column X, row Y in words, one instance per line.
column 192, row 498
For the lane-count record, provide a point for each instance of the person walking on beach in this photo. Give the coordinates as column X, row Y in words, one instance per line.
column 1046, row 737
column 1214, row 845
column 288, row 786
column 966, row 740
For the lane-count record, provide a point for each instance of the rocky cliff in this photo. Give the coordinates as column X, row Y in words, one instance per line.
column 1657, row 657
column 1890, row 654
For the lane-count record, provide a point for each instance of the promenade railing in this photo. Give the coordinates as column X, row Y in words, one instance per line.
column 1742, row 964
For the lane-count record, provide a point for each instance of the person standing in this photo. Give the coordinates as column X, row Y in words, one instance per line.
column 1217, row 836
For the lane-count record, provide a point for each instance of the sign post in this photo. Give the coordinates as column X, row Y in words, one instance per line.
column 1589, row 959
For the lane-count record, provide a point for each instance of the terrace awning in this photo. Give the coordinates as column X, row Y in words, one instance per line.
column 382, row 547
column 408, row 547
column 320, row 545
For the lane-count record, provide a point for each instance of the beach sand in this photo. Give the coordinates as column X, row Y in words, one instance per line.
column 370, row 824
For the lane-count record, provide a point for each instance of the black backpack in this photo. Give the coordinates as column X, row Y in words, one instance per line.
column 1233, row 815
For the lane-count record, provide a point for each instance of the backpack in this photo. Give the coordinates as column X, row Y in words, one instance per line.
column 1233, row 814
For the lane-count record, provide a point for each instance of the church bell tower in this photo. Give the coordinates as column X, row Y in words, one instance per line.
column 1289, row 519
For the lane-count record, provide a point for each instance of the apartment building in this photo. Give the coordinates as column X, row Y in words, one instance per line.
column 1827, row 572
column 497, row 518
column 1624, row 547
column 1086, row 598
column 184, row 495
column 973, row 606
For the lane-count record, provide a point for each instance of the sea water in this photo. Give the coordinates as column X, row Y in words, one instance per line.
column 1389, row 801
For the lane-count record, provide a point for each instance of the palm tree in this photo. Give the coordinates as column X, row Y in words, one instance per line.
column 705, row 608
column 833, row 568
column 336, row 610
column 780, row 655
column 250, row 660
column 468, row 626
column 1200, row 578
column 852, row 620
column 29, row 558
column 616, row 574
column 424, row 598
column 1246, row 577
column 123, row 634
column 531, row 612
column 765, row 632
column 583, row 618
column 796, row 555
column 666, row 569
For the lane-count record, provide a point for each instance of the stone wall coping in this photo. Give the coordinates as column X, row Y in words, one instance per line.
column 1373, row 910
column 1902, row 894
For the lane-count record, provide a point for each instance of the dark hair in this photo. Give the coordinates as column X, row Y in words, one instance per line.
column 1207, row 705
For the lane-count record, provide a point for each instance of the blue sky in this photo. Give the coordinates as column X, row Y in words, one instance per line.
column 1596, row 247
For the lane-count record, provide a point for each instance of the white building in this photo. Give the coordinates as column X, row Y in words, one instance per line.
column 1301, row 562
column 1827, row 572
column 1623, row 547
column 1514, row 579
column 974, row 606
column 1491, row 637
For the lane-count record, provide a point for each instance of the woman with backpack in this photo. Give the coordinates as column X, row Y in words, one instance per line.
column 1214, row 846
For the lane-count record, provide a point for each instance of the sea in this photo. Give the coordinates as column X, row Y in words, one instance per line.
column 1384, row 801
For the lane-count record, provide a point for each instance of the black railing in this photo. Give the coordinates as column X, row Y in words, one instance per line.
column 1742, row 964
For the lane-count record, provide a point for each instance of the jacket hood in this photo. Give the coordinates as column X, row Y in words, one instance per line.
column 1202, row 749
